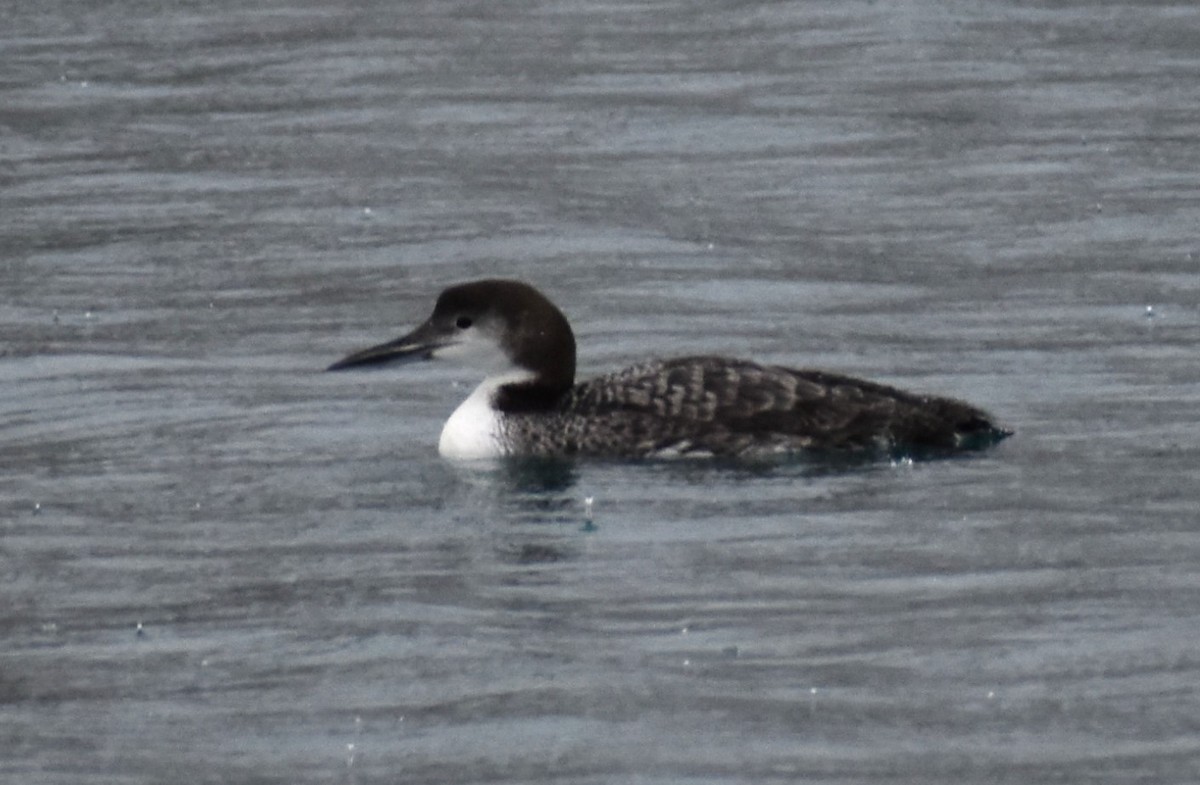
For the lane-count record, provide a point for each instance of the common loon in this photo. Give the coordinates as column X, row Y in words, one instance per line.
column 700, row 406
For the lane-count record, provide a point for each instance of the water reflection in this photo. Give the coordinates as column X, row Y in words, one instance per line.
column 539, row 476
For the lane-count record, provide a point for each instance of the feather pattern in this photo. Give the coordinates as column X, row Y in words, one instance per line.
column 716, row 406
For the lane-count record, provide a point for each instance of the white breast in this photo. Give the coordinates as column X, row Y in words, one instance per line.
column 475, row 430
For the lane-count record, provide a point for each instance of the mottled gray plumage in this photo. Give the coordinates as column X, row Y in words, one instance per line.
column 723, row 407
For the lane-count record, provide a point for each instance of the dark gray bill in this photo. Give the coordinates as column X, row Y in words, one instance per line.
column 420, row 344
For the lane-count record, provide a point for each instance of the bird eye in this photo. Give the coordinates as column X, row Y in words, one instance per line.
column 463, row 322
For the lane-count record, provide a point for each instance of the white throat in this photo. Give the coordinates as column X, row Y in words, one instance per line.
column 475, row 430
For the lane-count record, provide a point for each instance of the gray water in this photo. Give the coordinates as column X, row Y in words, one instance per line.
column 220, row 564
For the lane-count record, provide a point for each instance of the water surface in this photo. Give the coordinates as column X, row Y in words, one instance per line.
column 223, row 565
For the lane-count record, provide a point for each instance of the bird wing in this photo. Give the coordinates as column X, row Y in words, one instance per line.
column 804, row 408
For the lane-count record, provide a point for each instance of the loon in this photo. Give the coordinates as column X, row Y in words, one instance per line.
column 529, row 404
